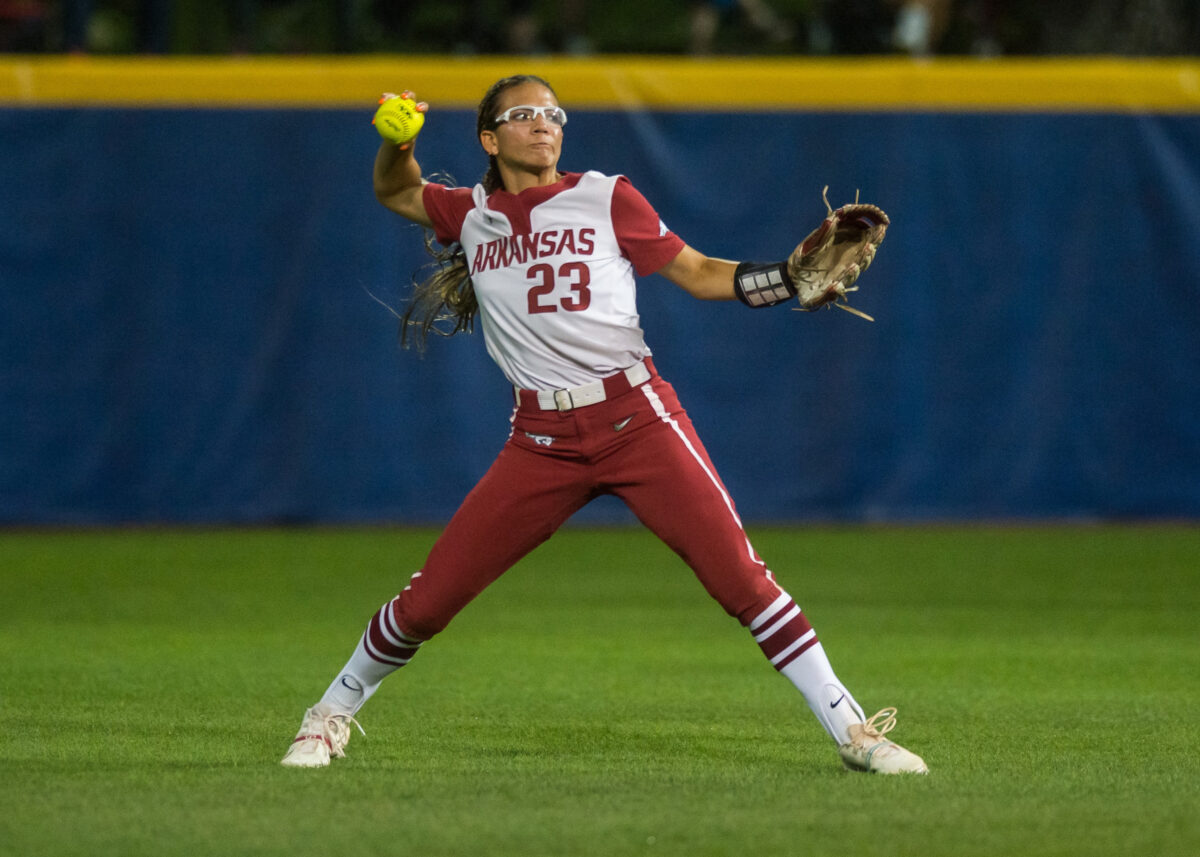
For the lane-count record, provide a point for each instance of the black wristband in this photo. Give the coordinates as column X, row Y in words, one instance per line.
column 759, row 285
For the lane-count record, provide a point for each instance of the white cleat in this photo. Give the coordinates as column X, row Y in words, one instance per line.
column 867, row 750
column 323, row 734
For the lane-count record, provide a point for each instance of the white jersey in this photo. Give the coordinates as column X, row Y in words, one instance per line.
column 554, row 273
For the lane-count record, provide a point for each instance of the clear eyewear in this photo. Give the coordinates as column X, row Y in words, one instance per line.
column 523, row 114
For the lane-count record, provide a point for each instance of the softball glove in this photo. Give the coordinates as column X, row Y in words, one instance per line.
column 826, row 264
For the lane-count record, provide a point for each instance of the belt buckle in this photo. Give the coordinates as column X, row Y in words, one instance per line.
column 562, row 400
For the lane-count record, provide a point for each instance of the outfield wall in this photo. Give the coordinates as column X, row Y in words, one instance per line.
column 191, row 252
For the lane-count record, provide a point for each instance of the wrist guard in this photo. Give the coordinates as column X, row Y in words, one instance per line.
column 758, row 285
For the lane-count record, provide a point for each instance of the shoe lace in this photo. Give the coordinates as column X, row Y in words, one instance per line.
column 881, row 723
column 337, row 732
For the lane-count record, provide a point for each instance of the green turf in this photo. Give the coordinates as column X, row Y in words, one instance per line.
column 595, row 702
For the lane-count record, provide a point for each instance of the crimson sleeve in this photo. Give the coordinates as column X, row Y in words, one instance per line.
column 447, row 207
column 642, row 236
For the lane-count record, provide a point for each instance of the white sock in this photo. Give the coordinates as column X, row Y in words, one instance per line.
column 789, row 642
column 828, row 698
column 382, row 649
column 358, row 680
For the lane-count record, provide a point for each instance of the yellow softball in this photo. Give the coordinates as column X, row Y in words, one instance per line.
column 398, row 120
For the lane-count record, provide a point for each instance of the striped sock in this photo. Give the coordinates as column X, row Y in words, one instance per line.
column 382, row 650
column 791, row 645
column 783, row 632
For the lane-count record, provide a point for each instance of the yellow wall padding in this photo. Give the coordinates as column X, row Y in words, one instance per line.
column 663, row 83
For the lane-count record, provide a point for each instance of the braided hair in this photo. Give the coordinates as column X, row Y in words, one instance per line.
column 444, row 301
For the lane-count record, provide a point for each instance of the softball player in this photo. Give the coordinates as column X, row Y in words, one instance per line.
column 547, row 262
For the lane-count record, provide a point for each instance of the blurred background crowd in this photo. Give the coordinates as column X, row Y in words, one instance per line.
column 580, row 27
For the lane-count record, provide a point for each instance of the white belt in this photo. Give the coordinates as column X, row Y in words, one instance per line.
column 589, row 394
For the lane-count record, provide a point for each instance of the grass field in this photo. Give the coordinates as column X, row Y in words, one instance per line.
column 595, row 702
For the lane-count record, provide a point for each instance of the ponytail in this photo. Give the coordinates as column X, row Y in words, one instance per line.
column 445, row 296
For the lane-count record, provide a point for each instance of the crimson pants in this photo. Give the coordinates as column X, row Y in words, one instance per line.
column 639, row 445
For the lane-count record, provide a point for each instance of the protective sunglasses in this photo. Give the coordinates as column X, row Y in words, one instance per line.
column 525, row 113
